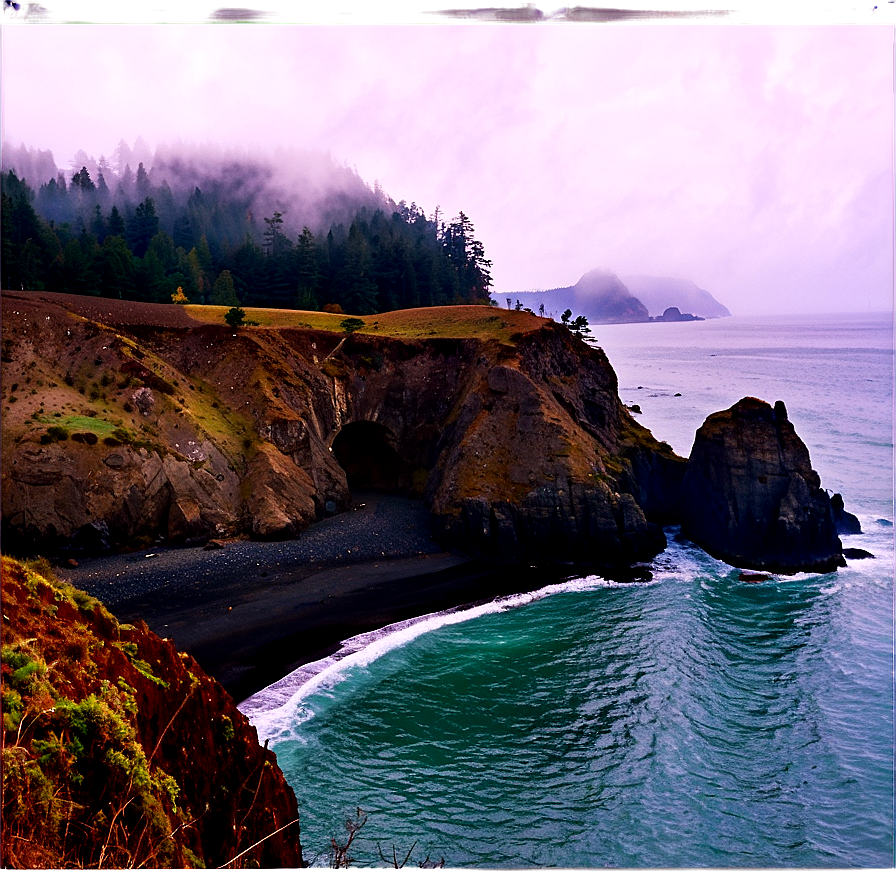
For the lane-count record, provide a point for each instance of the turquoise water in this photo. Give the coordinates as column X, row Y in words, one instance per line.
column 693, row 720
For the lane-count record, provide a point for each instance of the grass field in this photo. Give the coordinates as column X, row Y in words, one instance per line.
column 448, row 321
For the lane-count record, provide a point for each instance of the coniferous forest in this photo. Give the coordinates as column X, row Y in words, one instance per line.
column 289, row 232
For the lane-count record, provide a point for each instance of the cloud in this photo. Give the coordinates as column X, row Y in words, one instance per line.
column 753, row 160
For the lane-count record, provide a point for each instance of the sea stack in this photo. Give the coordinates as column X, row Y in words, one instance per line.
column 751, row 498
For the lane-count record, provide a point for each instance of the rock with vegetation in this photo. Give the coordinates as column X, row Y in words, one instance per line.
column 659, row 293
column 509, row 426
column 120, row 752
column 541, row 461
column 750, row 496
column 599, row 295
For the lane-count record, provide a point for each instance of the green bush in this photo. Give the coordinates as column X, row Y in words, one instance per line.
column 351, row 324
column 235, row 317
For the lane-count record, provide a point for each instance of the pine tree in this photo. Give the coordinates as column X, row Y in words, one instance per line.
column 116, row 226
column 117, row 269
column 143, row 187
column 467, row 257
column 143, row 227
column 224, row 292
column 81, row 180
column 308, row 271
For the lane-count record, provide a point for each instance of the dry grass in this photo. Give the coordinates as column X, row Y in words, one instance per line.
column 445, row 322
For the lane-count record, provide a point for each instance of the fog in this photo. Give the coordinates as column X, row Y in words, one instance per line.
column 755, row 161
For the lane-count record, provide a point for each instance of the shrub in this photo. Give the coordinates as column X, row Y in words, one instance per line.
column 351, row 324
column 235, row 317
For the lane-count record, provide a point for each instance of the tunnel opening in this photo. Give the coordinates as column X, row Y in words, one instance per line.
column 366, row 451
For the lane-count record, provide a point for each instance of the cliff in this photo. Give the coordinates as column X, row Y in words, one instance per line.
column 125, row 423
column 541, row 462
column 603, row 298
column 751, row 498
column 660, row 293
column 120, row 752
column 600, row 295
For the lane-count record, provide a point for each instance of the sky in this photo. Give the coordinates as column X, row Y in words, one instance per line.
column 753, row 159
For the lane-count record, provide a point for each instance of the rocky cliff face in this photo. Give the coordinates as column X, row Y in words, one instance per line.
column 119, row 431
column 126, row 423
column 118, row 751
column 599, row 294
column 750, row 496
column 540, row 461
column 658, row 293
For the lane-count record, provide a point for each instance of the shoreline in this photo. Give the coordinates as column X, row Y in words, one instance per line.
column 250, row 634
column 252, row 612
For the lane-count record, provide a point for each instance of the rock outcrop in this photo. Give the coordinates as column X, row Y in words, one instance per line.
column 846, row 523
column 522, row 449
column 750, row 496
column 658, row 293
column 542, row 463
column 673, row 315
column 519, row 445
column 118, row 751
column 599, row 294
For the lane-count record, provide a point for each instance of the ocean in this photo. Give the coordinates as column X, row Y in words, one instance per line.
column 690, row 721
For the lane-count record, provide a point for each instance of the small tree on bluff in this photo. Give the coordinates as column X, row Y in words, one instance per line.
column 235, row 318
column 351, row 324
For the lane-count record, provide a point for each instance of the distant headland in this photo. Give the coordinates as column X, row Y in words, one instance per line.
column 604, row 298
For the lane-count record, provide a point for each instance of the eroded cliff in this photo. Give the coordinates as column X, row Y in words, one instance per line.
column 126, row 423
column 120, row 752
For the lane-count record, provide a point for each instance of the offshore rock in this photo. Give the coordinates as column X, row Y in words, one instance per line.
column 845, row 522
column 751, row 498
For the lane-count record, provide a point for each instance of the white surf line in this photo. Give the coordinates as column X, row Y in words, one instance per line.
column 274, row 709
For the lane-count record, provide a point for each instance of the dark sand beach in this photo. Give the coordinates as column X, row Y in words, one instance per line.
column 252, row 612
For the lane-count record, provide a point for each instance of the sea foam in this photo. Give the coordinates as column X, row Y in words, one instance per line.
column 277, row 710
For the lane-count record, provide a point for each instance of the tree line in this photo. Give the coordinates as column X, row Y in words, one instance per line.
column 138, row 241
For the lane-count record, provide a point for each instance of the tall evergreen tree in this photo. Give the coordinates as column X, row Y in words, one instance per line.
column 81, row 181
column 142, row 188
column 224, row 292
column 354, row 282
column 117, row 269
column 98, row 224
column 308, row 271
column 116, row 225
column 143, row 226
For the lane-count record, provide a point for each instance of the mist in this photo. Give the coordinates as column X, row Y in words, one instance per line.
column 309, row 188
column 756, row 161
